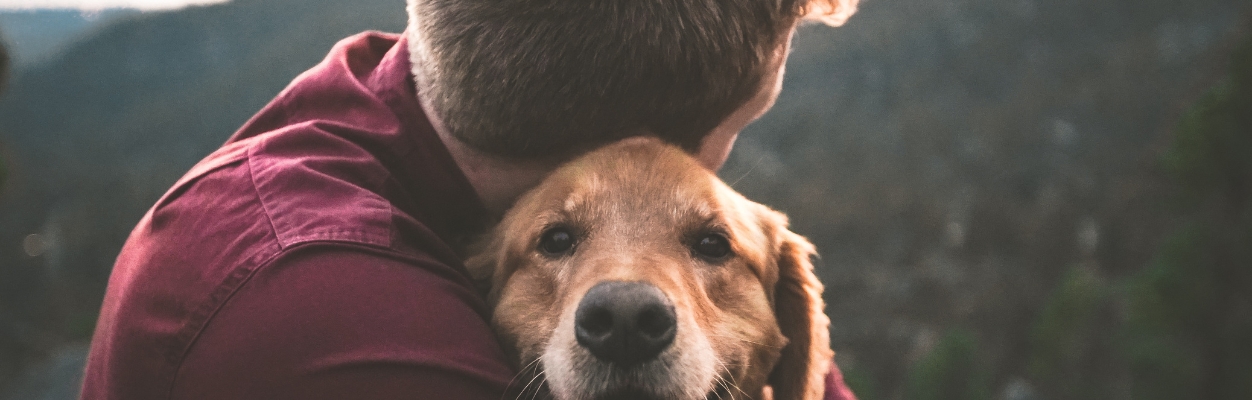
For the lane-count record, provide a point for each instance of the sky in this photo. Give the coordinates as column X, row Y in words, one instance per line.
column 101, row 4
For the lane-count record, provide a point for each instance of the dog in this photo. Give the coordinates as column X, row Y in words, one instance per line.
column 633, row 272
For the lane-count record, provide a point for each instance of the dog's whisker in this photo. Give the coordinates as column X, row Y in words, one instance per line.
column 725, row 384
column 749, row 172
column 744, row 340
column 519, row 375
column 527, row 388
column 724, row 374
column 536, row 376
column 718, row 386
column 733, row 384
column 543, row 382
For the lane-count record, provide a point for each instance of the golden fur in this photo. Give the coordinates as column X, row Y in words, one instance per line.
column 747, row 326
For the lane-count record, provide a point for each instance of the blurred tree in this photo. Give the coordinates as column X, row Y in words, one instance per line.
column 1189, row 325
column 951, row 371
column 1069, row 341
column 1162, row 338
column 1186, row 326
column 861, row 382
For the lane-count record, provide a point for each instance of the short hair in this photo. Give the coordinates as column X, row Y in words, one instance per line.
column 548, row 79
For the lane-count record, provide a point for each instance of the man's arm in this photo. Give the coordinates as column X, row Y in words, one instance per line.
column 836, row 388
column 330, row 322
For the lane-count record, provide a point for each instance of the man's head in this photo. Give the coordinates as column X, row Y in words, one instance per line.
column 548, row 79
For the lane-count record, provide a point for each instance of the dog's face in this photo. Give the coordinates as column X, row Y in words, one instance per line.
column 634, row 273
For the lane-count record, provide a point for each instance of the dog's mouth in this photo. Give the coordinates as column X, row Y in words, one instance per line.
column 629, row 394
column 536, row 387
column 722, row 388
column 718, row 393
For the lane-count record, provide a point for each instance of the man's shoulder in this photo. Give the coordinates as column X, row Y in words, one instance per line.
column 253, row 199
column 343, row 159
column 315, row 185
column 288, row 187
column 327, row 320
column 243, row 210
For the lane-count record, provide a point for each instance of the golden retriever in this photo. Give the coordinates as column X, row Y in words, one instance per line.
column 634, row 273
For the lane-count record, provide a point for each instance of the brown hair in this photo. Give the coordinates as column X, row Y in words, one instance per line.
column 548, row 79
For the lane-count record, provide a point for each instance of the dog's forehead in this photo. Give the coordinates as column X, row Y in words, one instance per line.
column 637, row 192
column 642, row 188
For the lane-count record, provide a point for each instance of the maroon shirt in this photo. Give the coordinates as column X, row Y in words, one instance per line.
column 309, row 258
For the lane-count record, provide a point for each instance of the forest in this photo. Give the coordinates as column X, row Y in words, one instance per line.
column 1013, row 199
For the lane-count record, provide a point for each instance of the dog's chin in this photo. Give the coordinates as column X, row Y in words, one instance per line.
column 629, row 390
column 647, row 382
column 629, row 394
column 633, row 393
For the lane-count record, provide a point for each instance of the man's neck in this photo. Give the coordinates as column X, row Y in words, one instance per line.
column 498, row 182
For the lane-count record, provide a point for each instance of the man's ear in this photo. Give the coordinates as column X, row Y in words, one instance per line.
column 830, row 12
column 801, row 370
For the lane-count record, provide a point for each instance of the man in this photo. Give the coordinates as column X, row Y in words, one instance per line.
column 314, row 255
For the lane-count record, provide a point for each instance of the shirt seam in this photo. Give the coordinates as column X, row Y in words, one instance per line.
column 233, row 283
column 269, row 217
column 218, row 298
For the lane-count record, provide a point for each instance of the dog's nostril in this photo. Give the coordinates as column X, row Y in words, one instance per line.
column 655, row 322
column 625, row 323
column 598, row 322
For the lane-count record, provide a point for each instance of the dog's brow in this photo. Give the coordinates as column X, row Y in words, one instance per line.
column 697, row 209
column 704, row 211
column 548, row 219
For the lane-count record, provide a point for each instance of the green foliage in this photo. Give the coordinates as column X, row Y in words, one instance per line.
column 1189, row 315
column 1066, row 334
column 1178, row 289
column 951, row 371
column 1164, row 301
column 1212, row 150
column 1186, row 326
column 861, row 382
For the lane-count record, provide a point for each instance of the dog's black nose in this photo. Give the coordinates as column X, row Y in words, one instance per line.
column 625, row 323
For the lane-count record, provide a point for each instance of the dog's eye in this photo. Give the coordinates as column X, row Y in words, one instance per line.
column 556, row 241
column 712, row 245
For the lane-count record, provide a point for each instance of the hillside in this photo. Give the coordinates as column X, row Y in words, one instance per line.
column 955, row 162
column 34, row 36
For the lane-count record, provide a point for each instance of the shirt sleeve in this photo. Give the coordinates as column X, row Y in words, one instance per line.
column 836, row 388
column 336, row 322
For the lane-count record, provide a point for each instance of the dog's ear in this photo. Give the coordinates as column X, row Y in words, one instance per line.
column 483, row 258
column 801, row 370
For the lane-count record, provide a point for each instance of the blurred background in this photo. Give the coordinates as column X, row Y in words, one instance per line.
column 1013, row 199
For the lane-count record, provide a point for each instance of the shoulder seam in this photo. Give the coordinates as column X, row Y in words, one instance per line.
column 218, row 298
